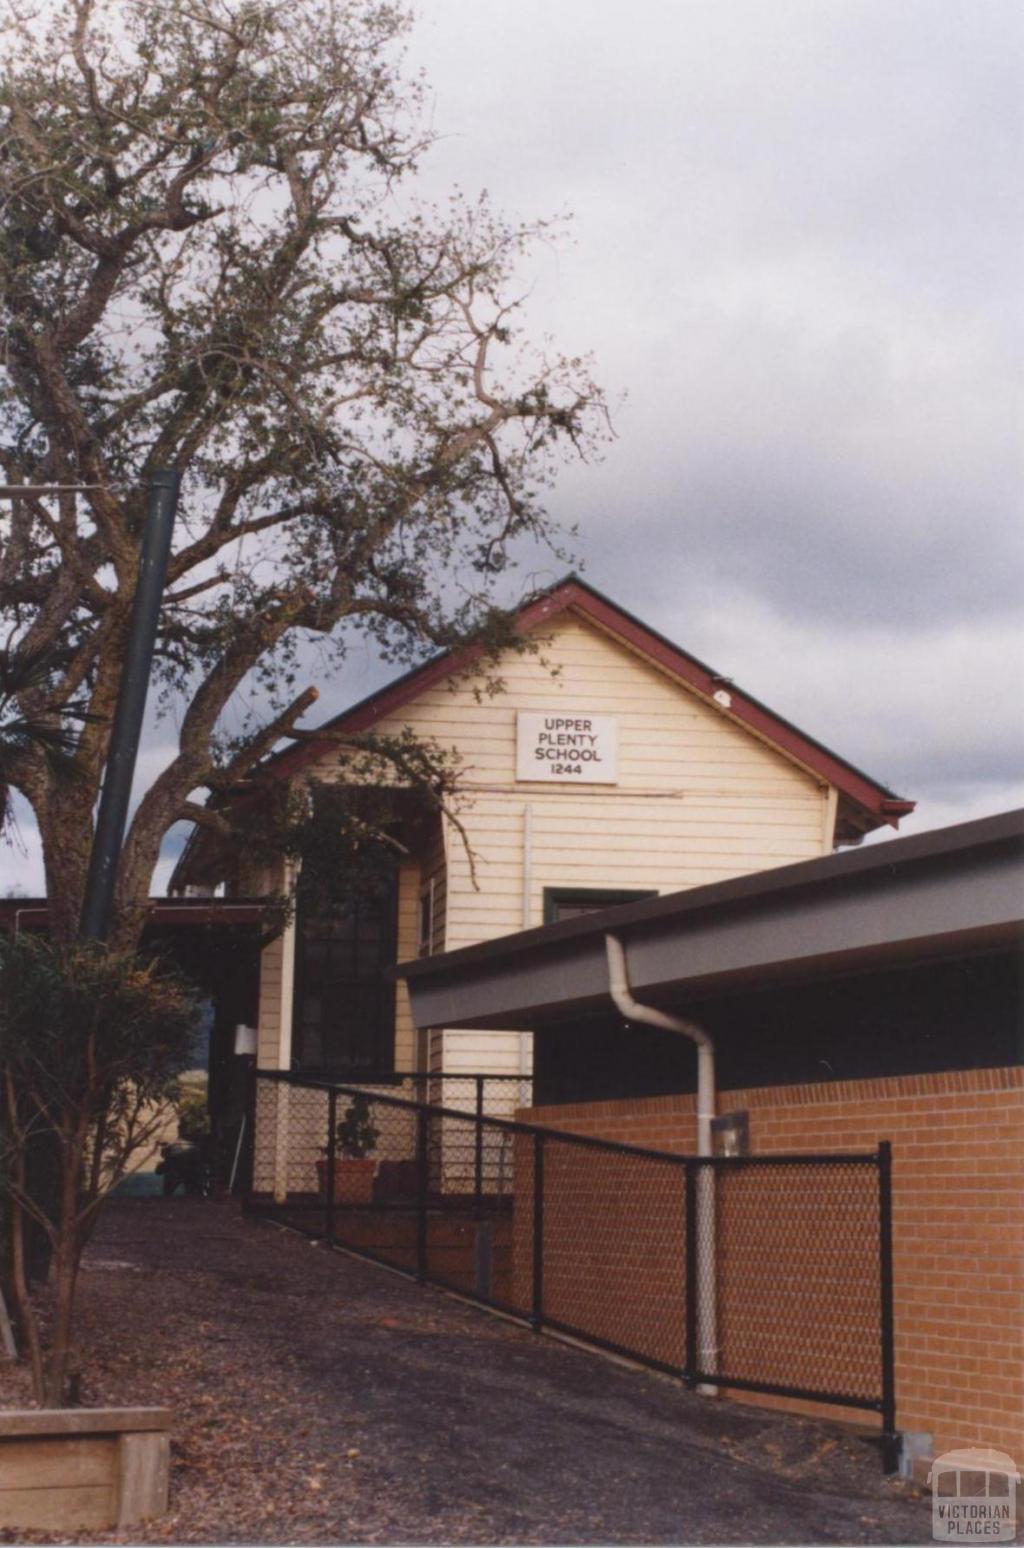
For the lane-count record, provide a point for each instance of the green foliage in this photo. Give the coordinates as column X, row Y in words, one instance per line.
column 91, row 1041
column 86, row 1027
column 191, row 1104
column 345, row 836
column 355, row 1135
column 25, row 676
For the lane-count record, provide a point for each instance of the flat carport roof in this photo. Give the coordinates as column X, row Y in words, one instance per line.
column 954, row 891
column 34, row 913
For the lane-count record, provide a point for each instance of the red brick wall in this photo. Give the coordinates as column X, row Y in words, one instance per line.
column 958, row 1223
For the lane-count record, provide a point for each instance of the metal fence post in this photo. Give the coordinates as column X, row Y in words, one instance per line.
column 332, row 1150
column 422, row 1118
column 537, row 1313
column 478, row 1153
column 890, row 1439
column 483, row 1259
column 248, row 1139
column 692, row 1287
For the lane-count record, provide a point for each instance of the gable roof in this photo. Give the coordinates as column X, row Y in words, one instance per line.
column 864, row 802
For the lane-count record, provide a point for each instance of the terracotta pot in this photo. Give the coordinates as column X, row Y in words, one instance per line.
column 353, row 1179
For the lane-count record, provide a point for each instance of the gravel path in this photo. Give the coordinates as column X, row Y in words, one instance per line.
column 318, row 1399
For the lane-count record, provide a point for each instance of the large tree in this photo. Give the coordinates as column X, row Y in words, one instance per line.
column 212, row 258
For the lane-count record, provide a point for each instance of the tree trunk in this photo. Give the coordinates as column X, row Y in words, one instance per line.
column 66, row 830
column 65, row 1277
column 28, row 1326
column 65, row 827
column 64, row 1274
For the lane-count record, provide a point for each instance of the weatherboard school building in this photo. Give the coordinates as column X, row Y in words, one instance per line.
column 612, row 767
column 872, row 994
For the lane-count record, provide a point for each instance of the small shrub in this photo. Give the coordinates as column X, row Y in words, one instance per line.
column 192, row 1106
column 91, row 1041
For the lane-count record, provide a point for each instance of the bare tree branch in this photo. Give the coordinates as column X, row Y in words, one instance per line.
column 206, row 267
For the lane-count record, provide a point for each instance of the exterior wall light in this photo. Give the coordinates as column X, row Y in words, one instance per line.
column 730, row 1134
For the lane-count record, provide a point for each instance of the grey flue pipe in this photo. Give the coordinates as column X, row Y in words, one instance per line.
column 112, row 814
column 631, row 1009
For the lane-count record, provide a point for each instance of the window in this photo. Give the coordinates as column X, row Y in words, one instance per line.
column 570, row 902
column 344, row 1016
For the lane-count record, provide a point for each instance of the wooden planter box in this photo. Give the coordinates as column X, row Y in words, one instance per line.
column 85, row 1469
column 353, row 1179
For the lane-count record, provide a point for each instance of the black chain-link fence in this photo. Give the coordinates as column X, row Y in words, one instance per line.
column 767, row 1274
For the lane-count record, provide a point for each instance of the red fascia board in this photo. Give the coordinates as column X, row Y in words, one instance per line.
column 576, row 596
column 749, row 712
column 362, row 716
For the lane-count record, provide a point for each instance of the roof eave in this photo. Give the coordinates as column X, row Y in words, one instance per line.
column 960, row 889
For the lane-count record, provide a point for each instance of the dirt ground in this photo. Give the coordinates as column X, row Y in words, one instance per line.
column 318, row 1399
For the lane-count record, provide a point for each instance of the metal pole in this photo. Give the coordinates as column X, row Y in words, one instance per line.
column 332, row 1152
column 422, row 1163
column 240, row 1141
column 692, row 1287
column 478, row 1150
column 483, row 1259
column 249, row 1158
column 537, row 1317
column 890, row 1439
column 131, row 704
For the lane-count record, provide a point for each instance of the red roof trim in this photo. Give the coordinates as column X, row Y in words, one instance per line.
column 573, row 595
column 748, row 711
column 386, row 700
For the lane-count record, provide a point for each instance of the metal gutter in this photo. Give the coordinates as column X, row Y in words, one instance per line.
column 959, row 890
column 831, row 873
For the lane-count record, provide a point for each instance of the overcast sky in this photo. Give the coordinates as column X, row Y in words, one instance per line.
column 798, row 248
column 797, row 254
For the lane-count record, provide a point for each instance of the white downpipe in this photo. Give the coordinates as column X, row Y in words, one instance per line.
column 648, row 1015
column 526, row 919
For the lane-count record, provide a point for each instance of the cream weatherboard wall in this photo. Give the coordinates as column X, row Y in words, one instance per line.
column 698, row 798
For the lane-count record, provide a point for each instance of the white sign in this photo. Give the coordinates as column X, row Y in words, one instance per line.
column 567, row 745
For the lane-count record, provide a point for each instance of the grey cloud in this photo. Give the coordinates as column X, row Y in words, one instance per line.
column 799, row 237
column 798, row 249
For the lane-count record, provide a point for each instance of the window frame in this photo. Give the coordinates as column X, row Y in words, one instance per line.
column 383, row 1071
column 609, row 897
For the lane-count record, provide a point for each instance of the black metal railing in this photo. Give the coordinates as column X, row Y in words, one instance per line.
column 768, row 1274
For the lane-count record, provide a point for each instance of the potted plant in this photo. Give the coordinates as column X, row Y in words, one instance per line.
column 354, row 1138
